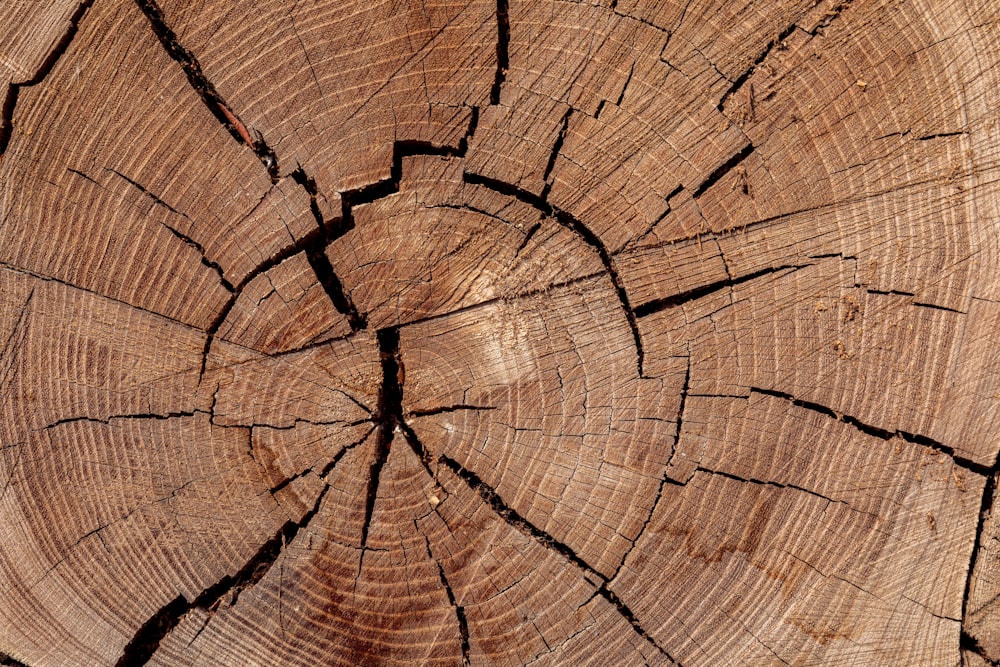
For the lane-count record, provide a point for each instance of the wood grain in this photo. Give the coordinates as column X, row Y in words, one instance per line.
column 522, row 332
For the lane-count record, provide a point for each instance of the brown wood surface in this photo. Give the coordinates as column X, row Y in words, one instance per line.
column 518, row 332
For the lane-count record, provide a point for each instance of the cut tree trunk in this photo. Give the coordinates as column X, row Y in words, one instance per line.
column 641, row 332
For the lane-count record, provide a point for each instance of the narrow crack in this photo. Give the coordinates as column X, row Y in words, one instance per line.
column 556, row 147
column 141, row 188
column 107, row 420
column 449, row 408
column 205, row 89
column 881, row 433
column 682, row 298
column 760, row 482
column 503, row 49
column 387, row 418
column 685, row 388
column 148, row 638
column 14, row 89
column 722, row 170
column 204, row 258
column 928, row 137
column 463, row 623
column 567, row 220
column 331, row 464
column 515, row 520
column 985, row 507
column 745, row 75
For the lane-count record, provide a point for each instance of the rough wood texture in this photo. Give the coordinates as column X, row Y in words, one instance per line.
column 474, row 332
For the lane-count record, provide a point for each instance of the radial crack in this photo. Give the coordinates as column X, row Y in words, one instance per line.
column 680, row 299
column 743, row 76
column 463, row 624
column 722, row 170
column 881, row 433
column 556, row 147
column 205, row 89
column 503, row 49
column 665, row 479
column 514, row 519
column 985, row 507
column 148, row 638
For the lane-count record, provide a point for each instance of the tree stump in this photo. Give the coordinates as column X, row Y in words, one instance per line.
column 468, row 332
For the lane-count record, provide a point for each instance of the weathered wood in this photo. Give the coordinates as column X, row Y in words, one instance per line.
column 474, row 332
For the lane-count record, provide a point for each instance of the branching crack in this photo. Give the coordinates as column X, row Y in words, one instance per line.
column 515, row 520
column 387, row 415
column 14, row 89
column 581, row 230
column 326, row 469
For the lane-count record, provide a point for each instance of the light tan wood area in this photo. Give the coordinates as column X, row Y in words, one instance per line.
column 499, row 332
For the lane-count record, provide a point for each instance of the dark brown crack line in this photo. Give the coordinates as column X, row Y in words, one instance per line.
column 138, row 186
column 676, row 300
column 567, row 220
column 333, row 230
column 183, row 237
column 313, row 237
column 388, row 415
column 326, row 469
column 503, row 49
column 722, row 170
column 760, row 482
column 147, row 639
column 971, row 644
column 685, row 388
column 989, row 491
column 449, row 408
column 204, row 258
column 742, row 78
column 10, row 661
column 205, row 89
column 941, row 135
column 14, row 89
column 881, row 433
column 556, row 147
column 107, row 420
column 515, row 520
column 463, row 624
column 896, row 292
column 316, row 252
